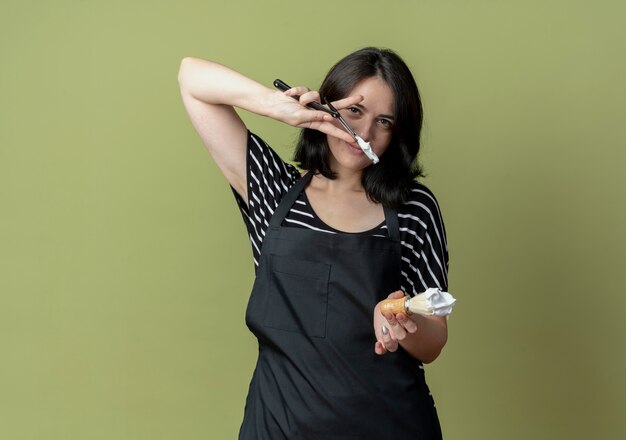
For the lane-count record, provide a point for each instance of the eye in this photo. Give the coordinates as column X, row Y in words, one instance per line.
column 354, row 110
column 385, row 123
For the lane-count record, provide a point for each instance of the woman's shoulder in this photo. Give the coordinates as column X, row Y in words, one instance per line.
column 421, row 201
column 422, row 223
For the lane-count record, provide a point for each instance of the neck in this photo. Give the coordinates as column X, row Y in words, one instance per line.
column 344, row 182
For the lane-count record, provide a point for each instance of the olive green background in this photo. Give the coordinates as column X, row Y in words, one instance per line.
column 124, row 263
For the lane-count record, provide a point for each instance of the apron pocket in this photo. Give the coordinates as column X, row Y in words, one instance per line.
column 298, row 298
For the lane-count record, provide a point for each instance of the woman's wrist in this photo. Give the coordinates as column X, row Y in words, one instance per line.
column 260, row 102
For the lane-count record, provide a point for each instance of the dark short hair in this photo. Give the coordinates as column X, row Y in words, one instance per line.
column 388, row 182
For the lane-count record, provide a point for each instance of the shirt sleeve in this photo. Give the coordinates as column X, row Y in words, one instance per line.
column 268, row 180
column 424, row 245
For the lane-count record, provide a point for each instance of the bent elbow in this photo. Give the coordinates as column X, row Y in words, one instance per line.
column 183, row 68
column 435, row 350
column 430, row 357
column 187, row 70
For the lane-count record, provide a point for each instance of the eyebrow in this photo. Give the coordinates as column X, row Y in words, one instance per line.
column 362, row 107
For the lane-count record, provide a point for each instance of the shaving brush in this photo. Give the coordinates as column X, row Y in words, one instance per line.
column 432, row 302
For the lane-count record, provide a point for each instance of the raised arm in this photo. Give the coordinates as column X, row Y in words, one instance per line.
column 210, row 91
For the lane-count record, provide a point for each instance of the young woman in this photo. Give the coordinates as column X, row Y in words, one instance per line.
column 329, row 245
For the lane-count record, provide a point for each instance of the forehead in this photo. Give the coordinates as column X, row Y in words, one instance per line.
column 377, row 95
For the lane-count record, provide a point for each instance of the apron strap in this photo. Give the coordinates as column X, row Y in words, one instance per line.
column 391, row 219
column 290, row 198
column 391, row 216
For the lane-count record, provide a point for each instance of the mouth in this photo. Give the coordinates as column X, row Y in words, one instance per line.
column 354, row 147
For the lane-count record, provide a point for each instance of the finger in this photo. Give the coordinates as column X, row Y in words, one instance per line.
column 315, row 119
column 396, row 294
column 308, row 97
column 297, row 91
column 409, row 325
column 325, row 125
column 389, row 343
column 347, row 102
column 398, row 331
column 379, row 348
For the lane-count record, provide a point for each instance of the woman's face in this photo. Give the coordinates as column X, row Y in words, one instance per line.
column 372, row 119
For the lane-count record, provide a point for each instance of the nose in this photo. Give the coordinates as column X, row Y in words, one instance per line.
column 366, row 130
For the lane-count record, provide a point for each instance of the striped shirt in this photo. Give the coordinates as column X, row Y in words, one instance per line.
column 424, row 250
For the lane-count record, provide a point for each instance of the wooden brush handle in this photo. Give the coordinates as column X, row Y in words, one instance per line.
column 394, row 306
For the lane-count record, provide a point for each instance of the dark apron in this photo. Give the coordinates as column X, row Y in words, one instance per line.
column 311, row 309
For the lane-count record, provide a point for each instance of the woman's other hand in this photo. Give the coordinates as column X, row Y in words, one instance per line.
column 397, row 327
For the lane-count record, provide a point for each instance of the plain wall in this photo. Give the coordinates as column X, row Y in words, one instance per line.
column 124, row 263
